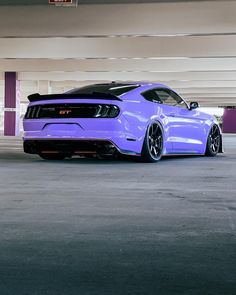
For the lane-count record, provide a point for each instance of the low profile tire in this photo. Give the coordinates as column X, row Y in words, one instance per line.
column 213, row 142
column 153, row 143
column 52, row 157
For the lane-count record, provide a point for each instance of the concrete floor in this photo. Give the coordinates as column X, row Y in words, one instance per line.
column 92, row 227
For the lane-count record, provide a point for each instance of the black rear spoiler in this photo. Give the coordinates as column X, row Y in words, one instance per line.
column 95, row 95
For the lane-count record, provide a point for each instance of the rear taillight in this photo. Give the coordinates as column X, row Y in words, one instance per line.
column 106, row 111
column 32, row 112
column 72, row 111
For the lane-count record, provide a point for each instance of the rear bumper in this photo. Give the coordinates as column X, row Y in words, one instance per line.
column 76, row 132
column 71, row 147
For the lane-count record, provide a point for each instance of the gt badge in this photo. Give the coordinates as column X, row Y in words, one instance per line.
column 64, row 112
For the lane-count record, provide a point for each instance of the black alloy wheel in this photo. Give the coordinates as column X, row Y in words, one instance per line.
column 213, row 141
column 153, row 143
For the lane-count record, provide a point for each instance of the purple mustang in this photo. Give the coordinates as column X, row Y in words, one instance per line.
column 137, row 119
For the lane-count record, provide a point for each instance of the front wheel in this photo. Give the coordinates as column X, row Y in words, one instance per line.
column 213, row 142
column 153, row 143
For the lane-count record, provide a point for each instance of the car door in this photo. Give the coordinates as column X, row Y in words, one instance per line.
column 185, row 126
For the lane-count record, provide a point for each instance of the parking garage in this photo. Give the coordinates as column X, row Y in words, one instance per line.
column 117, row 226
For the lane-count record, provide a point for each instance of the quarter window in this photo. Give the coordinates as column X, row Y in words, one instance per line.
column 165, row 96
column 152, row 96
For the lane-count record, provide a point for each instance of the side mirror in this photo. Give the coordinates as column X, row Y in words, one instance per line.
column 194, row 105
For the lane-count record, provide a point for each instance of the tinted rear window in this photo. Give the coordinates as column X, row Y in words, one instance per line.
column 114, row 89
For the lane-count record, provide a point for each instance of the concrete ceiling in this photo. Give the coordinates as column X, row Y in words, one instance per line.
column 188, row 46
column 45, row 2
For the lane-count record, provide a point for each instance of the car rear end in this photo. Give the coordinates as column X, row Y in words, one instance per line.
column 77, row 125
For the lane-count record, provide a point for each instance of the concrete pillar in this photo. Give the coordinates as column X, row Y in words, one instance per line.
column 44, row 87
column 11, row 104
column 229, row 120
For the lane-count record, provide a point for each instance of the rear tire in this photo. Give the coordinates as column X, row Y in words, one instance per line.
column 153, row 143
column 213, row 142
column 52, row 157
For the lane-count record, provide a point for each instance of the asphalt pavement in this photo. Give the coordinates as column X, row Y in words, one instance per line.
column 103, row 227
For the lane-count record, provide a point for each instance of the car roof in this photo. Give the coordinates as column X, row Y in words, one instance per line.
column 139, row 87
column 142, row 84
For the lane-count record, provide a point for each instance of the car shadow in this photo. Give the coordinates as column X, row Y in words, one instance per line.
column 20, row 156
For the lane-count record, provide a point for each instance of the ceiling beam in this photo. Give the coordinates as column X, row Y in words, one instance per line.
column 138, row 64
column 133, row 76
column 204, row 90
column 181, row 46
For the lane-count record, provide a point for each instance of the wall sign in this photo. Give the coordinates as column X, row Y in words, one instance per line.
column 10, row 109
column 60, row 1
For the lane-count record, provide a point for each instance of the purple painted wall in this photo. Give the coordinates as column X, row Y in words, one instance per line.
column 229, row 121
column 10, row 90
column 10, row 104
column 9, row 123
